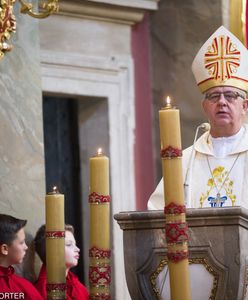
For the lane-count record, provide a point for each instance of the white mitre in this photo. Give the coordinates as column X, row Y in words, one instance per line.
column 221, row 61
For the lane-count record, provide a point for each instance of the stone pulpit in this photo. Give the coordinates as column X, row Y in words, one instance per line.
column 218, row 253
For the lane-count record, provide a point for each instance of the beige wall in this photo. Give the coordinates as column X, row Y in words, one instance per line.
column 22, row 187
column 86, row 53
column 22, row 182
column 178, row 30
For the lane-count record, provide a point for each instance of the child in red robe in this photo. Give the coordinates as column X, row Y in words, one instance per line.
column 12, row 251
column 75, row 290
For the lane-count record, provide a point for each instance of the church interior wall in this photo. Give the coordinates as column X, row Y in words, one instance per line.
column 22, row 183
column 178, row 29
column 83, row 57
column 90, row 59
column 143, row 148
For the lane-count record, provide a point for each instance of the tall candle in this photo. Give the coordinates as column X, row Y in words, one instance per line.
column 99, row 200
column 55, row 245
column 170, row 137
column 177, row 246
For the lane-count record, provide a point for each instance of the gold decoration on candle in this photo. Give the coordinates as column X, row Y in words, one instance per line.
column 99, row 252
column 55, row 245
column 176, row 226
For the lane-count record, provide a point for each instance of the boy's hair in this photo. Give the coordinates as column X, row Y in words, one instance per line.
column 9, row 226
column 40, row 240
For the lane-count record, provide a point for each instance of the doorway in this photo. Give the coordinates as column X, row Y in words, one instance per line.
column 74, row 128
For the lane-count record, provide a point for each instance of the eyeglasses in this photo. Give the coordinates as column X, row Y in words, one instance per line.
column 229, row 96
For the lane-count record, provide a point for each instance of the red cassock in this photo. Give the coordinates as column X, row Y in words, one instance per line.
column 75, row 290
column 13, row 286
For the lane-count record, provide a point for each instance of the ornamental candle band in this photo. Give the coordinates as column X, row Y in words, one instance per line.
column 99, row 252
column 170, row 137
column 55, row 245
column 176, row 227
column 99, row 210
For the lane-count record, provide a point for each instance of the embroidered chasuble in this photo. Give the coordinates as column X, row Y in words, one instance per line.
column 215, row 173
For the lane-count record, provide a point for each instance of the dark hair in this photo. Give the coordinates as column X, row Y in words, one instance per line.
column 40, row 240
column 9, row 226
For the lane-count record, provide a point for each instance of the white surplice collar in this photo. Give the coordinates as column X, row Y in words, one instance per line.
column 237, row 143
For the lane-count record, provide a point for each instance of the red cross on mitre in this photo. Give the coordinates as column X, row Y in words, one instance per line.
column 222, row 58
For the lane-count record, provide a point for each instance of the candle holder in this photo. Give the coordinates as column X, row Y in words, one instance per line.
column 47, row 8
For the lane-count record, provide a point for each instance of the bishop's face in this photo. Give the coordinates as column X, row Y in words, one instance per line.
column 225, row 113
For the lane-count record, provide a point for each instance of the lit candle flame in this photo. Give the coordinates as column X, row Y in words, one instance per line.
column 168, row 103
column 99, row 151
column 55, row 190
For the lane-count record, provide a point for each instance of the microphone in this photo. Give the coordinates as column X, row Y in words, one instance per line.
column 204, row 127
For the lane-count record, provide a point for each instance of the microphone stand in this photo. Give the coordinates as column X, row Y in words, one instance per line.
column 188, row 175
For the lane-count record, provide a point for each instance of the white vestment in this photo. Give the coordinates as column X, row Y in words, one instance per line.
column 213, row 176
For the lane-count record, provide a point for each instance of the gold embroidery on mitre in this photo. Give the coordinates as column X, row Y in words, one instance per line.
column 219, row 175
column 222, row 58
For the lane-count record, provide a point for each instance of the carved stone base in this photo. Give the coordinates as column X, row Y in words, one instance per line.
column 218, row 249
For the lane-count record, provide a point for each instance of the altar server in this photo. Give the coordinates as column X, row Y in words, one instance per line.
column 12, row 251
column 75, row 290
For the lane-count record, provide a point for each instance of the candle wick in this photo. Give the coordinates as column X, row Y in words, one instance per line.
column 168, row 106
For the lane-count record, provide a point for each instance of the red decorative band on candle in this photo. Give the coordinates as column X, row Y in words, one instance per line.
column 95, row 198
column 176, row 232
column 55, row 234
column 100, row 296
column 99, row 253
column 55, row 287
column 177, row 256
column 170, row 152
column 174, row 209
column 100, row 275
